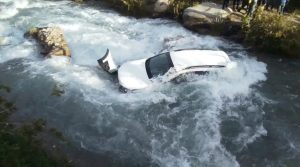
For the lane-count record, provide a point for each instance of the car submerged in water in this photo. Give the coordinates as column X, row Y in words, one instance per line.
column 140, row 74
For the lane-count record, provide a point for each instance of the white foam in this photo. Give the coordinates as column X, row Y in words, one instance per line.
column 9, row 8
column 89, row 32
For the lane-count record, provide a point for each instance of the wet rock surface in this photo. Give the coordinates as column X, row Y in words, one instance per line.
column 210, row 18
column 204, row 13
column 52, row 41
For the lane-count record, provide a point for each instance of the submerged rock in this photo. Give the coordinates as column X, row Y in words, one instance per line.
column 51, row 40
column 210, row 18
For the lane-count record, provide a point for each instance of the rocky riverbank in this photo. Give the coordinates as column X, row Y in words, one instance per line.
column 205, row 18
column 210, row 19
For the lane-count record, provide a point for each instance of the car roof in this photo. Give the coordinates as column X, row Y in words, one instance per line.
column 183, row 59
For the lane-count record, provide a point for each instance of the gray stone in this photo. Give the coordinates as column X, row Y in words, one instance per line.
column 203, row 14
column 210, row 18
column 157, row 6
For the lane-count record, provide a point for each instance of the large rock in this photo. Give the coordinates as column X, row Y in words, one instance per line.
column 51, row 40
column 210, row 18
column 157, row 6
column 203, row 14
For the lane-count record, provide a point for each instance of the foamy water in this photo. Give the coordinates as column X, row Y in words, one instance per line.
column 170, row 124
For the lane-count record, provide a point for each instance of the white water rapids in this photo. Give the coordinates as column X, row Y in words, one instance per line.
column 169, row 125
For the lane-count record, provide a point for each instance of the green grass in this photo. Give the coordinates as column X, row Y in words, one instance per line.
column 273, row 33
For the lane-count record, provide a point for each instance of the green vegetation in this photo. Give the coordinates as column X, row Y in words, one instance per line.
column 19, row 146
column 269, row 31
column 133, row 5
column 177, row 7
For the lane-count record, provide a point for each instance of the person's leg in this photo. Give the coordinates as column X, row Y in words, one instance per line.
column 223, row 6
column 238, row 4
column 249, row 4
column 254, row 5
column 244, row 3
column 282, row 6
column 249, row 10
column 259, row 2
column 234, row 4
column 252, row 8
column 279, row 9
column 265, row 2
column 272, row 4
column 225, row 2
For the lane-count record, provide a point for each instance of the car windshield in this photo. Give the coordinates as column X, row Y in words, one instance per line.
column 159, row 65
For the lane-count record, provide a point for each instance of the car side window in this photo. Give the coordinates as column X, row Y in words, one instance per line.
column 159, row 65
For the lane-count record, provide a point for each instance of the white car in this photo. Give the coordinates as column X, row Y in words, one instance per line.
column 139, row 74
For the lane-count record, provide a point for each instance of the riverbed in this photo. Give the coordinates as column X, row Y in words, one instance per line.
column 244, row 116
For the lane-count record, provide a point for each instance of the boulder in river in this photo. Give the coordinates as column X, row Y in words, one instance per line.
column 204, row 13
column 210, row 18
column 51, row 40
column 157, row 6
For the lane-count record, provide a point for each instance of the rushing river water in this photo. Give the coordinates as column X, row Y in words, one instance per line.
column 245, row 116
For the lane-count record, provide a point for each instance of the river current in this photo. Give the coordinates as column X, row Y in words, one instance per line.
column 245, row 116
